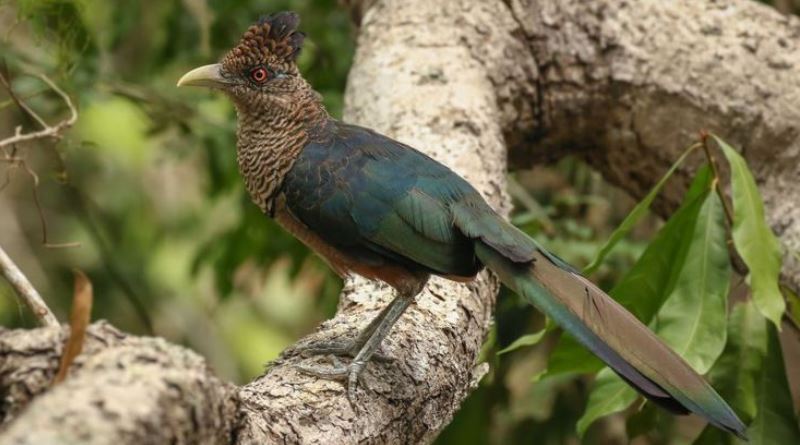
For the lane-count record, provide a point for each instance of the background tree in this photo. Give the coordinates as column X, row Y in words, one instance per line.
column 146, row 184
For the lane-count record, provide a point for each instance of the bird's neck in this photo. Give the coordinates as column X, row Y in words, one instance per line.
column 270, row 138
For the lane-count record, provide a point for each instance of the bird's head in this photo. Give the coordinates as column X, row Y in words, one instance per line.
column 260, row 72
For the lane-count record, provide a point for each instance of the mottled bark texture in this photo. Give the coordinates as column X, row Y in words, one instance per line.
column 120, row 390
column 624, row 84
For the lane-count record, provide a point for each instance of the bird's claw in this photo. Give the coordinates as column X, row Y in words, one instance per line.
column 340, row 348
column 351, row 374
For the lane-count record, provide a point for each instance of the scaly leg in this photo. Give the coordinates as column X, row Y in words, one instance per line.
column 351, row 347
column 367, row 343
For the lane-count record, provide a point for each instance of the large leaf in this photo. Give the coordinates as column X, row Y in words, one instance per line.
column 753, row 238
column 646, row 286
column 610, row 395
column 652, row 422
column 633, row 217
column 693, row 319
column 570, row 357
column 734, row 374
column 775, row 421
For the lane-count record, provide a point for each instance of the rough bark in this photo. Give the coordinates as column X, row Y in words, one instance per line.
column 120, row 390
column 625, row 84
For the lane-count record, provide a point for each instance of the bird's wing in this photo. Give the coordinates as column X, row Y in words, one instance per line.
column 368, row 194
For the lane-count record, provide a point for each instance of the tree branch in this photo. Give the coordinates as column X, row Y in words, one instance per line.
column 27, row 293
column 625, row 85
column 120, row 390
column 51, row 132
column 47, row 131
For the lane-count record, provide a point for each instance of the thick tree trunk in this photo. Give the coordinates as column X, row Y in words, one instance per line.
column 414, row 80
column 121, row 390
column 625, row 84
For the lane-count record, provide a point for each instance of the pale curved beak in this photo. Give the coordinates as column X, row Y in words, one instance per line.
column 204, row 76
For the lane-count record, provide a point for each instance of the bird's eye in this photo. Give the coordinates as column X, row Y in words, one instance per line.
column 259, row 75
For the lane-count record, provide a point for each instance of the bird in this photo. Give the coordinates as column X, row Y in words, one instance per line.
column 372, row 206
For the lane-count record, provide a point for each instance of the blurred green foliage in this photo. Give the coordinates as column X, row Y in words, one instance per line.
column 147, row 184
column 147, row 181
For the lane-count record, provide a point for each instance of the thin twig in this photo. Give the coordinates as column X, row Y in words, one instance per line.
column 20, row 103
column 717, row 178
column 52, row 132
column 110, row 262
column 16, row 101
column 26, row 291
column 16, row 162
column 736, row 259
column 48, row 131
column 40, row 211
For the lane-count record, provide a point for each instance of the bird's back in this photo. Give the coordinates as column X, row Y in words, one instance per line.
column 381, row 200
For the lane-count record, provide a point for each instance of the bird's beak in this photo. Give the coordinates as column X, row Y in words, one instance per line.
column 204, row 76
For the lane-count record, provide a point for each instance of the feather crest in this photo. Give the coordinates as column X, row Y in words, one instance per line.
column 273, row 41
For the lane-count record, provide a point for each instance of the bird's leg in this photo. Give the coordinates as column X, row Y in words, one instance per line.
column 371, row 337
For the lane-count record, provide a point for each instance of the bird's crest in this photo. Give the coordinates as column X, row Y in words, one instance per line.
column 273, row 41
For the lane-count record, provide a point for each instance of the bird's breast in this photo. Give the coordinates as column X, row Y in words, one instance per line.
column 265, row 156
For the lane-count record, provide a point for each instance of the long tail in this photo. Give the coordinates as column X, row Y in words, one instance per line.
column 602, row 325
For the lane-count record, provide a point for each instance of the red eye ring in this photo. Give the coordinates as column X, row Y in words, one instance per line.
column 259, row 75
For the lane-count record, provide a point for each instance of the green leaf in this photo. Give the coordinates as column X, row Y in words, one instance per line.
column 775, row 420
column 525, row 340
column 753, row 238
column 633, row 217
column 652, row 422
column 715, row 436
column 693, row 318
column 645, row 288
column 794, row 305
column 734, row 374
column 569, row 357
column 610, row 395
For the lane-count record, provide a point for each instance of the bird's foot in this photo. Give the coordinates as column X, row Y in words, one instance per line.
column 340, row 348
column 362, row 349
column 350, row 374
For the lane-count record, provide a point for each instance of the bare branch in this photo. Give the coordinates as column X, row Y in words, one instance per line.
column 26, row 291
column 51, row 132
column 19, row 102
column 47, row 131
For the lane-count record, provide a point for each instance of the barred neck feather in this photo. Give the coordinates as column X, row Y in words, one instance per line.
column 270, row 135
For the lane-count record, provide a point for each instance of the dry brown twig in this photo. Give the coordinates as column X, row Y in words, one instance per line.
column 26, row 291
column 78, row 323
